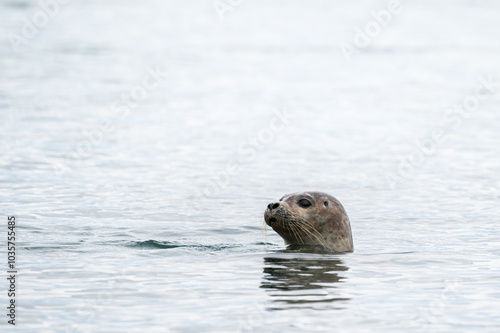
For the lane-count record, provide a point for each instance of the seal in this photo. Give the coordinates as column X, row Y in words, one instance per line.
column 312, row 218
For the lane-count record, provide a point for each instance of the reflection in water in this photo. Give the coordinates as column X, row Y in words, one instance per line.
column 302, row 279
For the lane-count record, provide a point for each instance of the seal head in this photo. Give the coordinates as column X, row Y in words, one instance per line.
column 312, row 218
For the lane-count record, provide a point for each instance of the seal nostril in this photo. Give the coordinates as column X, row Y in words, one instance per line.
column 272, row 220
column 273, row 205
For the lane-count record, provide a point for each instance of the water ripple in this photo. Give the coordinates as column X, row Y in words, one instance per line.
column 154, row 244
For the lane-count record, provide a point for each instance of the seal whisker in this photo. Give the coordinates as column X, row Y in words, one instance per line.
column 300, row 228
column 263, row 230
column 293, row 229
column 296, row 228
column 307, row 229
column 307, row 226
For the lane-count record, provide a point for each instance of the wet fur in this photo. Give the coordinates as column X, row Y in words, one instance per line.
column 326, row 226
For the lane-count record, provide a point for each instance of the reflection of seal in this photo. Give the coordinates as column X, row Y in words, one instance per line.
column 297, row 280
column 312, row 218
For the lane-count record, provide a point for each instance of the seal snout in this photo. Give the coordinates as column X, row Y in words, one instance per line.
column 273, row 205
column 269, row 216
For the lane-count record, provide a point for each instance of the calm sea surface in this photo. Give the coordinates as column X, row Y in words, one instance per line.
column 141, row 142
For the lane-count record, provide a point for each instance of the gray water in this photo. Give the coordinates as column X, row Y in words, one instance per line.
column 139, row 197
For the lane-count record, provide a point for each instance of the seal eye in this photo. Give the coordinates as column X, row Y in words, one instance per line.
column 304, row 203
column 326, row 203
